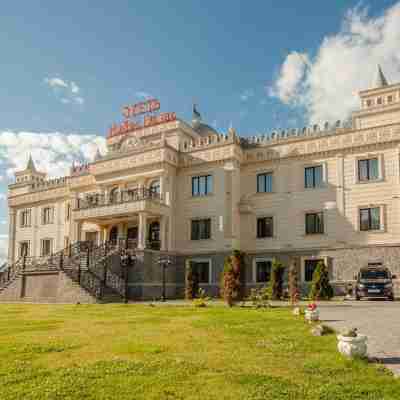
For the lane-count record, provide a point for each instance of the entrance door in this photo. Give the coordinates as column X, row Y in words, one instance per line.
column 132, row 236
column 113, row 235
column 154, row 235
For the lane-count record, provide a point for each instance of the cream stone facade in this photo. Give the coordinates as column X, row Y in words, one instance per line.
column 328, row 192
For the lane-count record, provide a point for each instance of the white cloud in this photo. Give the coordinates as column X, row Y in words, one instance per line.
column 56, row 82
column 3, row 197
column 66, row 91
column 143, row 95
column 247, row 94
column 327, row 84
column 52, row 152
column 3, row 248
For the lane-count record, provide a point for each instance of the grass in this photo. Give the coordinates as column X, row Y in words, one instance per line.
column 141, row 352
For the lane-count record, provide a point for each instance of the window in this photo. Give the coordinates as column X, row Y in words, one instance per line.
column 201, row 268
column 264, row 183
column 47, row 215
column 370, row 219
column 390, row 99
column 265, row 227
column 46, row 247
column 25, row 218
column 263, row 270
column 368, row 170
column 202, row 185
column 369, row 103
column 309, row 268
column 24, row 249
column 379, row 101
column 201, row 229
column 313, row 176
column 314, row 223
column 155, row 188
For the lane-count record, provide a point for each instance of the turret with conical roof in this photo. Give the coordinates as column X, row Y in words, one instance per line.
column 380, row 80
column 379, row 104
column 30, row 174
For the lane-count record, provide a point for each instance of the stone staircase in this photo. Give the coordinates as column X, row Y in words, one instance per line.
column 93, row 270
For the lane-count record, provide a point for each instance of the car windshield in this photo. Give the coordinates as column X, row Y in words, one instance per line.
column 374, row 274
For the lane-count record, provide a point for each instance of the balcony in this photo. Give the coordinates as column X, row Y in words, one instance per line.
column 125, row 203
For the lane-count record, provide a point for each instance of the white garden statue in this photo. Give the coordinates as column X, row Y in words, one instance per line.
column 351, row 344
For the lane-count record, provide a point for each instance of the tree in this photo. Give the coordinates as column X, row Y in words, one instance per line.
column 231, row 285
column 294, row 291
column 276, row 283
column 320, row 286
column 191, row 281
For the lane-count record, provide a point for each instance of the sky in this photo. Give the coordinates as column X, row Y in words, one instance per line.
column 68, row 68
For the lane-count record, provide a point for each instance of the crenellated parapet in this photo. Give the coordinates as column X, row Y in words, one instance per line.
column 50, row 184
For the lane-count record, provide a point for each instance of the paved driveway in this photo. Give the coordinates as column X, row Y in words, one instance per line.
column 379, row 320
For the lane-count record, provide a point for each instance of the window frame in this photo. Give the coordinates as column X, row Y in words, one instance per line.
column 29, row 218
column 255, row 271
column 42, row 242
column 199, row 220
column 370, row 228
column 51, row 215
column 368, row 169
column 314, row 167
column 264, row 175
column 315, row 224
column 20, row 248
column 208, row 187
column 264, row 217
column 303, row 263
column 204, row 261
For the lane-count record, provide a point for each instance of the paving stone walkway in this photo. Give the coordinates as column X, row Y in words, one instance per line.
column 379, row 320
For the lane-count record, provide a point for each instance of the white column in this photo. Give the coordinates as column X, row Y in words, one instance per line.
column 12, row 220
column 142, row 230
column 163, row 233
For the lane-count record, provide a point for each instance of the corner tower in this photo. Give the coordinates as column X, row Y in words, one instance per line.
column 380, row 105
column 30, row 174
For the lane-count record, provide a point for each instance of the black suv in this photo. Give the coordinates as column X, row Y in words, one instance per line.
column 374, row 282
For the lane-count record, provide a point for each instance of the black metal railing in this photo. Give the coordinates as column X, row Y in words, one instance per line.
column 125, row 196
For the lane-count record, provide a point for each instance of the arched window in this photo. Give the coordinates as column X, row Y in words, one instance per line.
column 114, row 195
column 155, row 188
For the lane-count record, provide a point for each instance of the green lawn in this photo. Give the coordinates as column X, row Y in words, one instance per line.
column 142, row 352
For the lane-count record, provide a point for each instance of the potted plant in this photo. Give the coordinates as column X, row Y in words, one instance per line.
column 312, row 312
column 351, row 344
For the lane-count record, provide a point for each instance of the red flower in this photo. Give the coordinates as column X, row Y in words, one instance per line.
column 312, row 306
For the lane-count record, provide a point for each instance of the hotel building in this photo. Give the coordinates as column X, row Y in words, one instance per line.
column 190, row 194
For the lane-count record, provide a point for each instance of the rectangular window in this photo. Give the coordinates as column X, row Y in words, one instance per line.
column 46, row 247
column 368, row 170
column 313, row 176
column 47, row 215
column 314, row 223
column 201, row 229
column 263, row 270
column 202, row 185
column 25, row 218
column 24, row 249
column 370, row 219
column 309, row 268
column 390, row 99
column 265, row 227
column 202, row 271
column 264, row 183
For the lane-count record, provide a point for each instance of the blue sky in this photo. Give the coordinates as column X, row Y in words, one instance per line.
column 67, row 68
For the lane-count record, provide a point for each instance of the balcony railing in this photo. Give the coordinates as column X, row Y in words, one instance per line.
column 126, row 196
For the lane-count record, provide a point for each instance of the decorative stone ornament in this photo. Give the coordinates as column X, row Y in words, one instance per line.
column 312, row 315
column 352, row 346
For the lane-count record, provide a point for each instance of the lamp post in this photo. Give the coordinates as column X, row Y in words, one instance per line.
column 165, row 262
column 127, row 261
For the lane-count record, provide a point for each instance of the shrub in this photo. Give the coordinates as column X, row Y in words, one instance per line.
column 231, row 285
column 202, row 299
column 276, row 283
column 191, row 282
column 294, row 291
column 259, row 297
column 320, row 286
